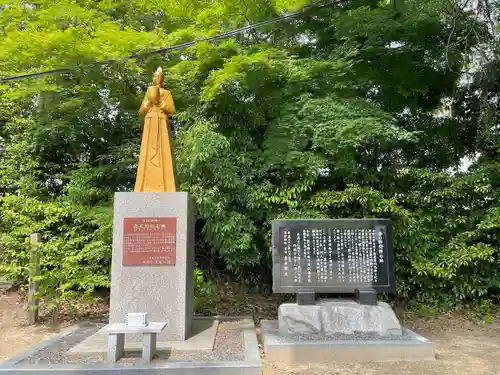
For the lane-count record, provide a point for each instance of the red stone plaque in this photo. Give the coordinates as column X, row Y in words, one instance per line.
column 149, row 241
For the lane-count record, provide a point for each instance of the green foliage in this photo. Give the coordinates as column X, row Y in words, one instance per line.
column 204, row 292
column 75, row 252
column 329, row 115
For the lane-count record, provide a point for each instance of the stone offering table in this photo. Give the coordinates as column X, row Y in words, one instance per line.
column 343, row 256
column 116, row 339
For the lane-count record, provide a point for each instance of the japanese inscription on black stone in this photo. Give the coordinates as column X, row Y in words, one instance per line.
column 333, row 256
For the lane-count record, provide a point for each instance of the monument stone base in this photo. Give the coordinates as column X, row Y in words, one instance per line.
column 236, row 352
column 153, row 261
column 339, row 316
column 305, row 349
column 201, row 338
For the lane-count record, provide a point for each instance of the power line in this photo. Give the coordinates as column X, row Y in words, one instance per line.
column 182, row 45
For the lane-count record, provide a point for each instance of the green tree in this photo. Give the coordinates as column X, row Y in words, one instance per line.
column 328, row 114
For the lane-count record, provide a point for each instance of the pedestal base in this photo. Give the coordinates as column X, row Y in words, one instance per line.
column 307, row 349
column 164, row 291
column 201, row 338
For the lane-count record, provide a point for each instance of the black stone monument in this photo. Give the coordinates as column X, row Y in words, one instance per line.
column 333, row 256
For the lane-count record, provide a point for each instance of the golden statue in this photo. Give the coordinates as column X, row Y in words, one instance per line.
column 155, row 172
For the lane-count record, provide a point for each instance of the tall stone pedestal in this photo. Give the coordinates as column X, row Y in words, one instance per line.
column 144, row 276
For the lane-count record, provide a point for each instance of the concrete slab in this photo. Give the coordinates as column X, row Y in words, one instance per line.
column 251, row 365
column 124, row 328
column 202, row 337
column 307, row 349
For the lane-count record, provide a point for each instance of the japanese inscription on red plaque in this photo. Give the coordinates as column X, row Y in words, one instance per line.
column 149, row 241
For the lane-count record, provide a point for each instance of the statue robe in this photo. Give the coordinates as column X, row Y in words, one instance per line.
column 155, row 171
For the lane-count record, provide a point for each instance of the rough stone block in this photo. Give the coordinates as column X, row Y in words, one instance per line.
column 329, row 317
column 164, row 292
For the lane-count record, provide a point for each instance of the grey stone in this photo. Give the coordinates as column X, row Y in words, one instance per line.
column 148, row 347
column 124, row 328
column 165, row 293
column 315, row 349
column 116, row 346
column 116, row 339
column 201, row 338
column 330, row 317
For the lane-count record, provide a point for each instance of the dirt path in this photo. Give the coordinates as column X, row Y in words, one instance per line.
column 463, row 348
column 15, row 334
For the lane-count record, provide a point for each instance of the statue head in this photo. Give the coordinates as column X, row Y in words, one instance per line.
column 158, row 77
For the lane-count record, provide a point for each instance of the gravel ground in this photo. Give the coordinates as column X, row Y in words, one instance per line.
column 340, row 336
column 229, row 346
column 56, row 353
